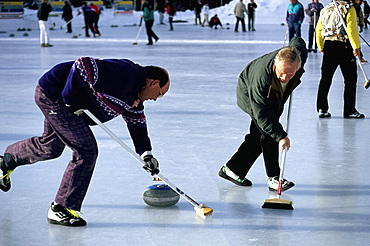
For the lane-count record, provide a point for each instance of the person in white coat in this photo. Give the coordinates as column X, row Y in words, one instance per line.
column 205, row 11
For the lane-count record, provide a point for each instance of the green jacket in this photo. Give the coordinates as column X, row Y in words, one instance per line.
column 148, row 12
column 261, row 97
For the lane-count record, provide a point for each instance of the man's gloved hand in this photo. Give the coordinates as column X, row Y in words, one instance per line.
column 151, row 164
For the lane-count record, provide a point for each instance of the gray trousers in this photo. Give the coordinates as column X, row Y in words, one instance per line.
column 61, row 128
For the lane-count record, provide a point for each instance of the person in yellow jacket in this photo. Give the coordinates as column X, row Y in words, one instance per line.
column 336, row 45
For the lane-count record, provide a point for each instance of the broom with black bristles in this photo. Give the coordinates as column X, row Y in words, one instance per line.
column 278, row 203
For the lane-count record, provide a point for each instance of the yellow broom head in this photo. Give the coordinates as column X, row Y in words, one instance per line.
column 203, row 210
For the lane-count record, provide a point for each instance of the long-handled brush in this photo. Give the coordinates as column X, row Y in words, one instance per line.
column 314, row 31
column 61, row 27
column 367, row 82
column 201, row 209
column 286, row 35
column 138, row 33
column 278, row 203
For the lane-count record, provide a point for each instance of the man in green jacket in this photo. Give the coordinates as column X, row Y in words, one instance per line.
column 263, row 88
column 148, row 15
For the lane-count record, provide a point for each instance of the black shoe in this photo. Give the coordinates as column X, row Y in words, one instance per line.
column 63, row 216
column 4, row 176
column 149, row 44
column 238, row 181
column 355, row 115
column 323, row 114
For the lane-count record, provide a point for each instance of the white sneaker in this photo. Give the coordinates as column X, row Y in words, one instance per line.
column 63, row 216
column 273, row 184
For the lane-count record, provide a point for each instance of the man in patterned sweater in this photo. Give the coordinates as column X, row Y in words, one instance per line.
column 107, row 88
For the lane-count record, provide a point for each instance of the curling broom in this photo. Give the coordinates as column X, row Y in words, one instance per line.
column 201, row 209
column 278, row 203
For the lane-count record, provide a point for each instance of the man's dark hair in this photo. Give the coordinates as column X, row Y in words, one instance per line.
column 155, row 72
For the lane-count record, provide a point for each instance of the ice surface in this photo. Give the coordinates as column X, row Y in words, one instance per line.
column 194, row 130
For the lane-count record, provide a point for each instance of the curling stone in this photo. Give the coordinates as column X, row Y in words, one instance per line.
column 25, row 34
column 11, row 35
column 160, row 195
column 74, row 36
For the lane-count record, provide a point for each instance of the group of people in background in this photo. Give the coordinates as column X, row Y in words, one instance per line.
column 90, row 11
column 91, row 14
column 337, row 37
column 239, row 11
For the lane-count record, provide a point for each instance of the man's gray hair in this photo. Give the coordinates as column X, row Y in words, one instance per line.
column 289, row 55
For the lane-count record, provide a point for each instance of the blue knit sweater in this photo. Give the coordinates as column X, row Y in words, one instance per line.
column 107, row 88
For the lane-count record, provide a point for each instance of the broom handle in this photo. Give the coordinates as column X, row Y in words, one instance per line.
column 314, row 30
column 286, row 35
column 138, row 33
column 136, row 156
column 283, row 157
column 282, row 164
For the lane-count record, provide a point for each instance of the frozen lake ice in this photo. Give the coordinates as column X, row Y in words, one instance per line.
column 194, row 130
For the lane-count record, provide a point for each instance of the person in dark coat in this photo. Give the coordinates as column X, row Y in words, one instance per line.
column 161, row 9
column 171, row 11
column 95, row 21
column 263, row 88
column 67, row 15
column 107, row 88
column 366, row 14
column 198, row 10
column 43, row 14
column 88, row 17
column 215, row 21
column 251, row 15
column 313, row 11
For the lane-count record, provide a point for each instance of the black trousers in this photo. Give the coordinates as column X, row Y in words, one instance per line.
column 69, row 25
column 311, row 32
column 89, row 18
column 95, row 21
column 338, row 54
column 149, row 31
column 237, row 24
column 255, row 144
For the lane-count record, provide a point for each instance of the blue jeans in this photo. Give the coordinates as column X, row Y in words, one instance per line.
column 294, row 29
